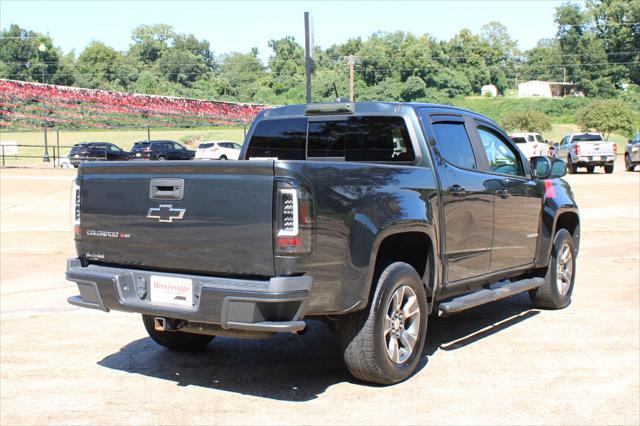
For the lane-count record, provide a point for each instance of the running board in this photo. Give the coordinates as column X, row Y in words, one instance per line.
column 480, row 297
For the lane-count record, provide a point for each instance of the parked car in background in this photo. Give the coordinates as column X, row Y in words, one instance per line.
column 218, row 150
column 532, row 144
column 96, row 151
column 588, row 150
column 64, row 162
column 160, row 150
column 632, row 153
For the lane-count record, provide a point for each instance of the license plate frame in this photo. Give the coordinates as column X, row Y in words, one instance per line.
column 596, row 158
column 171, row 291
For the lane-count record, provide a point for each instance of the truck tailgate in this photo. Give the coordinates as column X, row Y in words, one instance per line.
column 596, row 148
column 222, row 223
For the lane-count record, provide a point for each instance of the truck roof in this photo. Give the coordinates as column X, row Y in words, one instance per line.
column 381, row 108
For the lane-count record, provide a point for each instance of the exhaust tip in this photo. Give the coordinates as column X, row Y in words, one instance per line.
column 159, row 324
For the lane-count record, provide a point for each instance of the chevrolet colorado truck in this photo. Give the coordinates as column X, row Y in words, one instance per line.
column 371, row 216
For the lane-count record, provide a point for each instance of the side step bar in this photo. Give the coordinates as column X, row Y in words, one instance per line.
column 480, row 297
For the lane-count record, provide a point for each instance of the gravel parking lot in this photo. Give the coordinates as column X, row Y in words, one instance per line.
column 502, row 363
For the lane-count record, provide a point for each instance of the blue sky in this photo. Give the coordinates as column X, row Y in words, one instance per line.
column 241, row 25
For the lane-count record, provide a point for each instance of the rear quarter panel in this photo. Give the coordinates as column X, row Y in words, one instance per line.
column 357, row 205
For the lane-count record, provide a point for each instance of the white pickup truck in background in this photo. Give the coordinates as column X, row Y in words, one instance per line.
column 532, row 144
column 587, row 150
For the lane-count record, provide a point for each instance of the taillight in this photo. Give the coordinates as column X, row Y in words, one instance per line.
column 576, row 149
column 75, row 209
column 615, row 149
column 294, row 219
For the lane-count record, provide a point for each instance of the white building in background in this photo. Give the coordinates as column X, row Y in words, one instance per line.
column 489, row 90
column 544, row 89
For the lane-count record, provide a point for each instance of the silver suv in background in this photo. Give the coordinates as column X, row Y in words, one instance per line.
column 632, row 153
column 588, row 150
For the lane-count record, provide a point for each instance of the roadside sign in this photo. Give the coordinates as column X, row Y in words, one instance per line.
column 9, row 148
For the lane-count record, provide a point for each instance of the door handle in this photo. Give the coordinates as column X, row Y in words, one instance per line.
column 456, row 190
column 503, row 193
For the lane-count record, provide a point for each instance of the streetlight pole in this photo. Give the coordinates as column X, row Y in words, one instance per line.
column 45, row 158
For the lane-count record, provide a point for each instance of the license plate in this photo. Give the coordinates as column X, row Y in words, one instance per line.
column 171, row 291
column 596, row 158
column 137, row 154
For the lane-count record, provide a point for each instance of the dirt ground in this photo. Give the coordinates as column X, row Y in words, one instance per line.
column 502, row 363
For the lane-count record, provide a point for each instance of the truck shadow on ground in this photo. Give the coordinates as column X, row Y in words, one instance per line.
column 298, row 368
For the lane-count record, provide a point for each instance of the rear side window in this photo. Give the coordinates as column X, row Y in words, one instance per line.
column 282, row 139
column 454, row 144
column 378, row 139
column 205, row 145
column 518, row 139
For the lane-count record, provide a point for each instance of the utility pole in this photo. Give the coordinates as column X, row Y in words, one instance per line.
column 45, row 158
column 309, row 52
column 351, row 61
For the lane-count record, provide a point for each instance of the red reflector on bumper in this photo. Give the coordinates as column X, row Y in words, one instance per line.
column 288, row 241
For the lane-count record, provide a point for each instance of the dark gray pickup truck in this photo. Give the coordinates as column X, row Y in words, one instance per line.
column 368, row 215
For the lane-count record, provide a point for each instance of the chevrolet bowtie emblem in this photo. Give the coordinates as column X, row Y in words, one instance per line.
column 165, row 213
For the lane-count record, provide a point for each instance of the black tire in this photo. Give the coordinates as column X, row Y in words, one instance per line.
column 549, row 296
column 590, row 169
column 571, row 168
column 161, row 158
column 176, row 340
column 628, row 165
column 362, row 334
column 222, row 157
column 608, row 168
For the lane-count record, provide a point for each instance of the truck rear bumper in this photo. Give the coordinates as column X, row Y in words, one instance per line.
column 274, row 305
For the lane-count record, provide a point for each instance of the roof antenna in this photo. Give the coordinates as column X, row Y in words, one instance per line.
column 335, row 89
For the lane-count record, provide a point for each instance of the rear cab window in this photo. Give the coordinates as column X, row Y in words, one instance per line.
column 354, row 138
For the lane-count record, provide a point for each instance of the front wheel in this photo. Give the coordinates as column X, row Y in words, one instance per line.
column 176, row 340
column 384, row 343
column 162, row 158
column 608, row 168
column 556, row 291
column 222, row 157
column 571, row 168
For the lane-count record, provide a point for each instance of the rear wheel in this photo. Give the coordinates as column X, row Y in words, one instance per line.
column 628, row 165
column 571, row 168
column 556, row 291
column 384, row 343
column 590, row 169
column 608, row 168
column 161, row 158
column 222, row 157
column 176, row 340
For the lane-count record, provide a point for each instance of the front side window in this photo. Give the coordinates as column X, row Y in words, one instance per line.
column 501, row 157
column 454, row 144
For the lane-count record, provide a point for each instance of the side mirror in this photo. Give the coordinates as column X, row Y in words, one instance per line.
column 547, row 167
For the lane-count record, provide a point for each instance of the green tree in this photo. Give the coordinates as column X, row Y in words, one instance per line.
column 149, row 41
column 616, row 24
column 182, row 66
column 606, row 116
column 22, row 58
column 527, row 121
